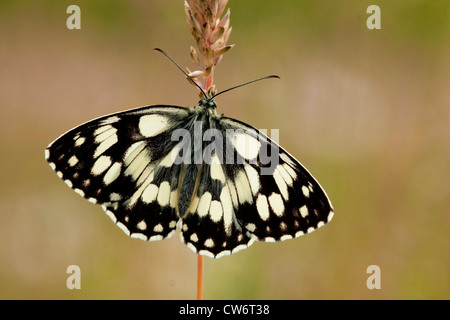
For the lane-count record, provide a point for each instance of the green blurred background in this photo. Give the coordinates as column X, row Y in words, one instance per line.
column 366, row 111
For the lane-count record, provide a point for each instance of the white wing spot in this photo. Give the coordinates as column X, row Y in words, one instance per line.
column 216, row 169
column 139, row 236
column 112, row 174
column 142, row 225
column 79, row 141
column 100, row 130
column 72, row 161
column 282, row 186
column 223, row 253
column 157, row 237
column 158, row 228
column 250, row 227
column 133, row 151
column 215, row 211
column 286, row 159
column 172, row 224
column 194, row 237
column 253, row 178
column 263, row 207
column 110, row 120
column 173, row 198
column 242, row 246
column 227, row 207
column 164, row 194
column 209, row 243
column 115, row 196
column 69, row 183
column 137, row 161
column 123, row 227
column 284, row 174
column 169, row 160
column 290, row 171
column 110, row 214
column 243, row 189
column 304, row 211
column 330, row 216
column 150, row 193
column 101, row 165
column 206, row 253
column 299, row 233
column 79, row 191
column 171, row 233
column 305, row 191
column 246, row 145
column 203, row 206
column 276, row 203
column 191, row 246
column 146, row 176
column 153, row 124
column 106, row 143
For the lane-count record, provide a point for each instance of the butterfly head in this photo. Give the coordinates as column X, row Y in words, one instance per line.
column 207, row 103
column 206, row 106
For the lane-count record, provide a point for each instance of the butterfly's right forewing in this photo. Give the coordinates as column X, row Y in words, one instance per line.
column 123, row 162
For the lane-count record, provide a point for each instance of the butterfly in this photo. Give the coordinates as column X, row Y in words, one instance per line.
column 160, row 168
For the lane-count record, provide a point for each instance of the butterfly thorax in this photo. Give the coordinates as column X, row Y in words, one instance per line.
column 207, row 106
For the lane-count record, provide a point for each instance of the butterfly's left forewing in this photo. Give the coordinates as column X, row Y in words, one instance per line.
column 123, row 162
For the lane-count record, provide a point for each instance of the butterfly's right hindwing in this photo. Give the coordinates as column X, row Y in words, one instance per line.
column 277, row 198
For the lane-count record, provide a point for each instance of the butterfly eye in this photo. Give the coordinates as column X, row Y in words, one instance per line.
column 206, row 103
column 212, row 104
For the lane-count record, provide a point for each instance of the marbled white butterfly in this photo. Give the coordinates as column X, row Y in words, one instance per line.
column 222, row 182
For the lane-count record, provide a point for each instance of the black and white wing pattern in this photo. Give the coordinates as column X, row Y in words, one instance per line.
column 260, row 193
column 224, row 183
column 121, row 162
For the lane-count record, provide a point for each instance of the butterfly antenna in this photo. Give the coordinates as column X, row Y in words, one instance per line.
column 184, row 72
column 244, row 84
